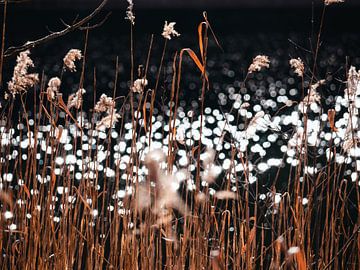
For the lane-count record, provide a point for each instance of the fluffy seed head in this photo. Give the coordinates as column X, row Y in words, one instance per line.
column 75, row 100
column 108, row 121
column 329, row 2
column 169, row 30
column 130, row 13
column 298, row 66
column 70, row 58
column 53, row 88
column 353, row 84
column 21, row 80
column 105, row 104
column 259, row 62
column 139, row 85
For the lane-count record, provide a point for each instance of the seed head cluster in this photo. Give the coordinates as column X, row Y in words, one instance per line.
column 259, row 62
column 70, row 58
column 169, row 30
column 298, row 66
column 21, row 80
column 353, row 84
column 139, row 85
column 130, row 13
column 53, row 88
column 106, row 104
column 76, row 100
column 330, row 2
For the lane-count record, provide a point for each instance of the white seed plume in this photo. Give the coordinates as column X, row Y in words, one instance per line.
column 21, row 80
column 329, row 2
column 53, row 88
column 315, row 86
column 130, row 12
column 259, row 62
column 312, row 97
column 353, row 84
column 70, row 58
column 76, row 100
column 139, row 85
column 293, row 250
column 298, row 66
column 105, row 104
column 169, row 30
column 108, row 121
column 211, row 171
column 166, row 185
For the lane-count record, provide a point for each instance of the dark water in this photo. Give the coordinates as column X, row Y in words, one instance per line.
column 281, row 34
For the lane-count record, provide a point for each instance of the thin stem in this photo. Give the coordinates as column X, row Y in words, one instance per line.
column 3, row 42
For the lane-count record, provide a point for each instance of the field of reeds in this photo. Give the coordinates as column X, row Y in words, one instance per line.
column 141, row 180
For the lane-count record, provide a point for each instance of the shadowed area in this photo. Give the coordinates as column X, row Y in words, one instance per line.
column 52, row 4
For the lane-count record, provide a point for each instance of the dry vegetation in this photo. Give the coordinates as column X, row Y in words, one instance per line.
column 74, row 195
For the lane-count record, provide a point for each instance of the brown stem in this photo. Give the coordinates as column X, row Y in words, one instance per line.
column 3, row 41
column 69, row 28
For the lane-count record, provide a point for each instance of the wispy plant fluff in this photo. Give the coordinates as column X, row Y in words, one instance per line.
column 329, row 2
column 353, row 84
column 169, row 30
column 130, row 13
column 139, row 85
column 21, row 80
column 211, row 171
column 315, row 86
column 259, row 62
column 108, row 121
column 166, row 185
column 312, row 97
column 75, row 100
column 70, row 58
column 106, row 104
column 53, row 88
column 351, row 95
column 298, row 66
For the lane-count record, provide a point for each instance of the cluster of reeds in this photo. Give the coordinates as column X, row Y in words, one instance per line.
column 94, row 190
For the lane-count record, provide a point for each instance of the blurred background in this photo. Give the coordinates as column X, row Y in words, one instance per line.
column 182, row 3
column 242, row 15
column 281, row 29
column 245, row 28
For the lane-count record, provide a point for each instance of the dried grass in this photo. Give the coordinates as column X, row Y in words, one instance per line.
column 56, row 219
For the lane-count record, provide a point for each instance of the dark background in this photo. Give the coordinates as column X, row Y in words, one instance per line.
column 282, row 29
column 182, row 3
column 35, row 17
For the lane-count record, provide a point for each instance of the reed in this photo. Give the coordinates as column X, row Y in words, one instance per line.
column 129, row 184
